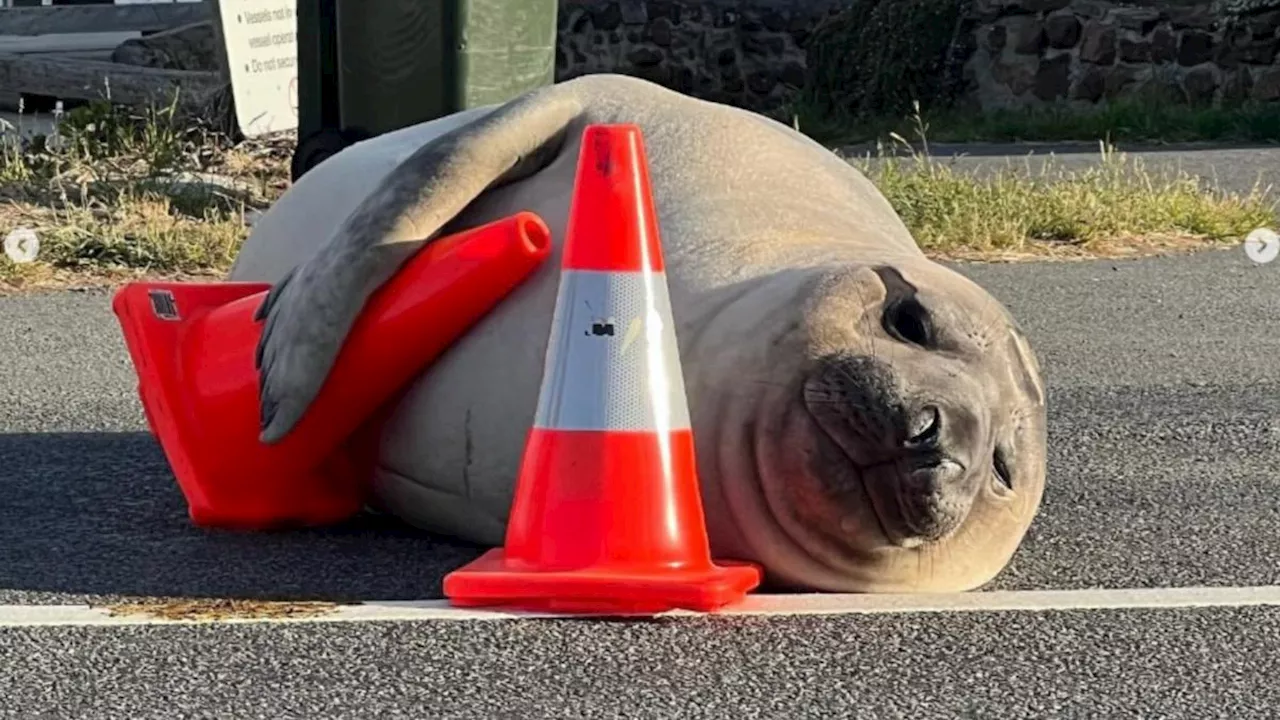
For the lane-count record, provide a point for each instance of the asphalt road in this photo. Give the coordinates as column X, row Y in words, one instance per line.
column 1164, row 443
column 1158, row 664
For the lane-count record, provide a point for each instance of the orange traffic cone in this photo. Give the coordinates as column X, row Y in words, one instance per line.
column 193, row 346
column 607, row 515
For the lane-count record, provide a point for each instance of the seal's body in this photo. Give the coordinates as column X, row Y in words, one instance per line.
column 865, row 419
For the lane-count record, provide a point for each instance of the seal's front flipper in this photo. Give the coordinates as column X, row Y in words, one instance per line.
column 309, row 313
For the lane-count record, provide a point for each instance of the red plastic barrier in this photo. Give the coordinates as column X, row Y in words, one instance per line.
column 193, row 346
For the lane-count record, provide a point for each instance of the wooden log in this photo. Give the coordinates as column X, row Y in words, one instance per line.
column 145, row 18
column 99, row 55
column 64, row 42
column 67, row 79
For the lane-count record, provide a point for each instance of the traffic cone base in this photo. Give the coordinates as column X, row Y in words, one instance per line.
column 493, row 581
column 194, row 345
column 607, row 513
column 592, row 541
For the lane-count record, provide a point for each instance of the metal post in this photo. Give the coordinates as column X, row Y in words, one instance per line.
column 368, row 67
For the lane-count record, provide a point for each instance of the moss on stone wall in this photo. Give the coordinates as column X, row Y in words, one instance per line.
column 1230, row 8
column 879, row 57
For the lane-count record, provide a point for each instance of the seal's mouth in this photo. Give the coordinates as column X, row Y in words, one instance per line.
column 906, row 500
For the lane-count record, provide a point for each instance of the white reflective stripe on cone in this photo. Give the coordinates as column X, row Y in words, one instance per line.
column 612, row 362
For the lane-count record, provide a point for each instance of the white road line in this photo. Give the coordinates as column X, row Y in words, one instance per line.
column 754, row 605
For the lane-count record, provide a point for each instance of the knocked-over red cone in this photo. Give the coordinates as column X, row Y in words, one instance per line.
column 607, row 515
column 193, row 346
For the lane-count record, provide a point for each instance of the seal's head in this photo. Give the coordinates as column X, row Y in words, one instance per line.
column 888, row 430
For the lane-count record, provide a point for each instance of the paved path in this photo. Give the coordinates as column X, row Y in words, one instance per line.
column 1164, row 449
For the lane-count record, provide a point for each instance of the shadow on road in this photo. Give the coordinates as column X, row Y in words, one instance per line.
column 100, row 514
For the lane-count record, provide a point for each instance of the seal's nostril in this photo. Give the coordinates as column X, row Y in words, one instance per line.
column 925, row 428
column 1000, row 464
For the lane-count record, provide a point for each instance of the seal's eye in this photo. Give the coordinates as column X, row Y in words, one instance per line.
column 909, row 321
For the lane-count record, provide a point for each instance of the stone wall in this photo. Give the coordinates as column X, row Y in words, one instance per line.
column 745, row 52
column 1034, row 52
column 751, row 53
column 1015, row 52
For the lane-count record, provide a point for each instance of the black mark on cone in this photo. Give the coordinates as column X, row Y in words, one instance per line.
column 599, row 328
column 604, row 154
column 164, row 305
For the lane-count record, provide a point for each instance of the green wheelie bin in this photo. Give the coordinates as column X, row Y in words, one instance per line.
column 367, row 67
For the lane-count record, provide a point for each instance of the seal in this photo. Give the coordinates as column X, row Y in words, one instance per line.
column 866, row 419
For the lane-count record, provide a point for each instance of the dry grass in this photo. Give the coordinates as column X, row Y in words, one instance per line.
column 1115, row 208
column 214, row 609
column 114, row 196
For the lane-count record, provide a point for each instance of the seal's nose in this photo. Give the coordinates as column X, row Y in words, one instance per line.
column 929, row 432
column 925, row 429
column 919, row 458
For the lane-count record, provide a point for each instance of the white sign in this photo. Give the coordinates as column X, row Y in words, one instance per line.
column 261, row 43
column 22, row 245
column 1262, row 246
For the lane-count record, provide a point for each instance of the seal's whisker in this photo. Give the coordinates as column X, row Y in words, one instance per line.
column 1023, row 412
column 833, row 401
column 843, row 403
column 848, row 375
column 766, row 383
column 993, row 307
